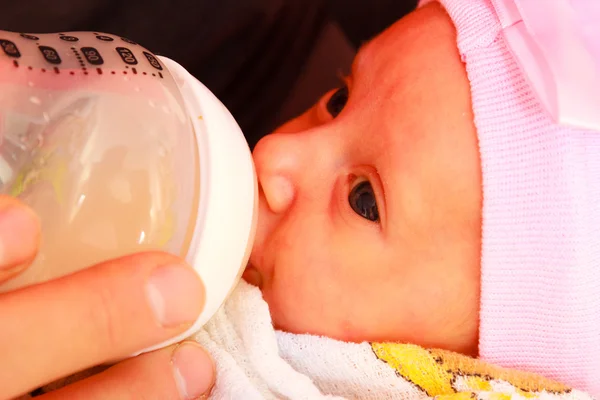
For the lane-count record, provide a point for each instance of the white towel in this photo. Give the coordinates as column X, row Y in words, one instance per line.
column 256, row 362
column 243, row 343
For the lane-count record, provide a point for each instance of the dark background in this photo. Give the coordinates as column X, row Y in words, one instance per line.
column 267, row 60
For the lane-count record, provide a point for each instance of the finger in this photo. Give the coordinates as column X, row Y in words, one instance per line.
column 183, row 371
column 96, row 315
column 19, row 237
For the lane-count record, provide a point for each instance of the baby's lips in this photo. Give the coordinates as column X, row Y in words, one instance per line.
column 252, row 276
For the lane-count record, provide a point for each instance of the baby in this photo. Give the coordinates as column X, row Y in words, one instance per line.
column 434, row 200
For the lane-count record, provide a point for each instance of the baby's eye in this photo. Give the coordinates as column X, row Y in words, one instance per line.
column 337, row 101
column 363, row 202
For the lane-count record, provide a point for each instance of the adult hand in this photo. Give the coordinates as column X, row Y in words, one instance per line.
column 94, row 316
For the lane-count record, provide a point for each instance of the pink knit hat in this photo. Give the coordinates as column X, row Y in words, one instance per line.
column 540, row 266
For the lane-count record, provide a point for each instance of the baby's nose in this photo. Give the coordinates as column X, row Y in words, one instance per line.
column 279, row 159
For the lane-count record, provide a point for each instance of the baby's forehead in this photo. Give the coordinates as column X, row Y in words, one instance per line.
column 410, row 50
column 409, row 86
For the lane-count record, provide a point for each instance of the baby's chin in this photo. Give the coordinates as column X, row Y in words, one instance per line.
column 252, row 276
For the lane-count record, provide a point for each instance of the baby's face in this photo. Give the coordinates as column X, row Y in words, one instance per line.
column 370, row 203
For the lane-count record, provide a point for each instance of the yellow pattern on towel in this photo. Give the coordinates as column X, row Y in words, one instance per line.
column 447, row 375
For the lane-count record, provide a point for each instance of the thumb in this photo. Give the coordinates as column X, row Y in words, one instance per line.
column 19, row 237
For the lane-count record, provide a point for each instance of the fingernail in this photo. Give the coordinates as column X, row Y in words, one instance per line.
column 194, row 370
column 176, row 295
column 19, row 236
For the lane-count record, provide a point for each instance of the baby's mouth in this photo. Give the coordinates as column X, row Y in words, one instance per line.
column 252, row 276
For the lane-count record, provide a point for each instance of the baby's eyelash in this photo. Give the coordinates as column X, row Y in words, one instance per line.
column 344, row 78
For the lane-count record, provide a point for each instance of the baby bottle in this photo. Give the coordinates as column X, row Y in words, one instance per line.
column 118, row 150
